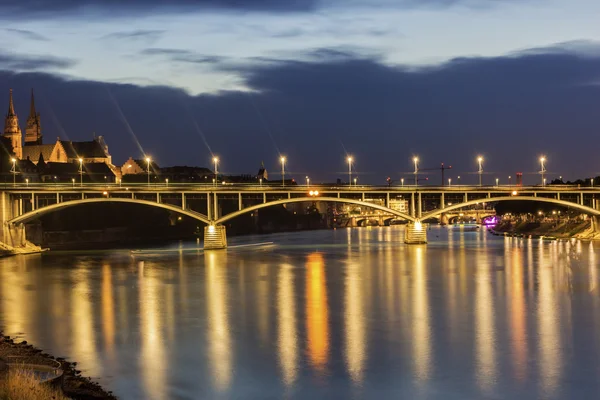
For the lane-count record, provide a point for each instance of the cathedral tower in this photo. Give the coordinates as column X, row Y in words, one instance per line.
column 12, row 129
column 33, row 132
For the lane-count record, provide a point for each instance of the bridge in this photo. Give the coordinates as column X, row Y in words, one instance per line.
column 21, row 204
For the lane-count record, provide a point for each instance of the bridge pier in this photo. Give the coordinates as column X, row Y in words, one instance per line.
column 416, row 233
column 215, row 237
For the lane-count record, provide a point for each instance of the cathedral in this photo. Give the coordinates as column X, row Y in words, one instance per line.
column 35, row 151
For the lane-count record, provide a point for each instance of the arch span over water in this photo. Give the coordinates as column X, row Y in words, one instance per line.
column 583, row 209
column 72, row 203
column 396, row 213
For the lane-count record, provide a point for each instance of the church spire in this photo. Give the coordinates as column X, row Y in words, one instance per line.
column 32, row 112
column 33, row 132
column 12, row 129
column 11, row 107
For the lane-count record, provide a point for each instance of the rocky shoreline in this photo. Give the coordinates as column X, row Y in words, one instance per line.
column 74, row 385
column 549, row 231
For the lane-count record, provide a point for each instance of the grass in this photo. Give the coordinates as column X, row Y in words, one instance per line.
column 22, row 385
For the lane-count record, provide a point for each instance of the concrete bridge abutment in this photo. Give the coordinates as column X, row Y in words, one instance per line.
column 416, row 233
column 215, row 237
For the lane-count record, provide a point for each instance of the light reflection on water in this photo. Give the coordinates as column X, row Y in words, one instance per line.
column 351, row 313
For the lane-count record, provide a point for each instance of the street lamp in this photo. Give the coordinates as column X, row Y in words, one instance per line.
column 260, row 180
column 14, row 170
column 307, row 181
column 27, row 182
column 509, row 180
column 73, row 180
column 402, row 182
column 543, row 169
column 216, row 161
column 449, row 181
column 148, row 160
column 167, row 182
column 496, row 181
column 355, row 181
column 282, row 159
column 480, row 171
column 81, row 171
column 416, row 161
column 458, row 180
column 349, row 170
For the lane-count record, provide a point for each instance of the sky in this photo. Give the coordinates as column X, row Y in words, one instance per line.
column 316, row 80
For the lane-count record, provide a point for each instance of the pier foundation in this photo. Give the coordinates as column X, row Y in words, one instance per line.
column 215, row 237
column 416, row 233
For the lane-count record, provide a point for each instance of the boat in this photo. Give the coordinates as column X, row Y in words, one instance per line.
column 466, row 227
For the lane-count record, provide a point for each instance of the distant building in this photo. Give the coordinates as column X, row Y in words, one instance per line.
column 70, row 172
column 62, row 151
column 262, row 173
column 137, row 166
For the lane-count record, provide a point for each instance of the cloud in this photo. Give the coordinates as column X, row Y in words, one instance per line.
column 30, row 35
column 184, row 56
column 36, row 8
column 22, row 62
column 510, row 109
column 140, row 34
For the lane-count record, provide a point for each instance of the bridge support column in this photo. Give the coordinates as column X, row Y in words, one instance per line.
column 215, row 237
column 595, row 223
column 416, row 233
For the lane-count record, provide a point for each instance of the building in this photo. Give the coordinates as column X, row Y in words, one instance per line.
column 62, row 151
column 12, row 130
column 136, row 166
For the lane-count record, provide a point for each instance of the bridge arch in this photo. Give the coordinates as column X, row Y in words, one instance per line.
column 28, row 216
column 312, row 199
column 583, row 209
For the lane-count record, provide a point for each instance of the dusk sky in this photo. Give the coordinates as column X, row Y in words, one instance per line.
column 383, row 80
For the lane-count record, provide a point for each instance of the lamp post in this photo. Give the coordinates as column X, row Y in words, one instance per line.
column 282, row 159
column 458, row 180
column 402, row 182
column 349, row 170
column 496, row 181
column 260, row 180
column 81, row 171
column 27, row 182
column 416, row 161
column 449, row 181
column 14, row 171
column 509, row 180
column 148, row 160
column 167, row 182
column 355, row 179
column 480, row 171
column 73, row 180
column 543, row 169
column 216, row 162
column 307, row 181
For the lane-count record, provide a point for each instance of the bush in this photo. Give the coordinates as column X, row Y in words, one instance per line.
column 21, row 384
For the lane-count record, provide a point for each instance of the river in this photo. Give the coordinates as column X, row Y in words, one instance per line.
column 347, row 313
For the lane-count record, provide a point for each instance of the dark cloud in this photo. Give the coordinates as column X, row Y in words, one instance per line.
column 37, row 8
column 138, row 34
column 27, row 34
column 21, row 62
column 510, row 109
column 184, row 56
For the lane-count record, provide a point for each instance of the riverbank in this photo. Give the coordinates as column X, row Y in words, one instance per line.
column 550, row 230
column 74, row 385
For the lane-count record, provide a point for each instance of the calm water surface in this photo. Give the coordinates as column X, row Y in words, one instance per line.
column 351, row 313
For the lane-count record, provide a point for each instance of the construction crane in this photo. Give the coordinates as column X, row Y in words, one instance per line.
column 441, row 168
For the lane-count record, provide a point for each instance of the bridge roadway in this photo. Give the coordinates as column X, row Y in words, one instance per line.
column 22, row 203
